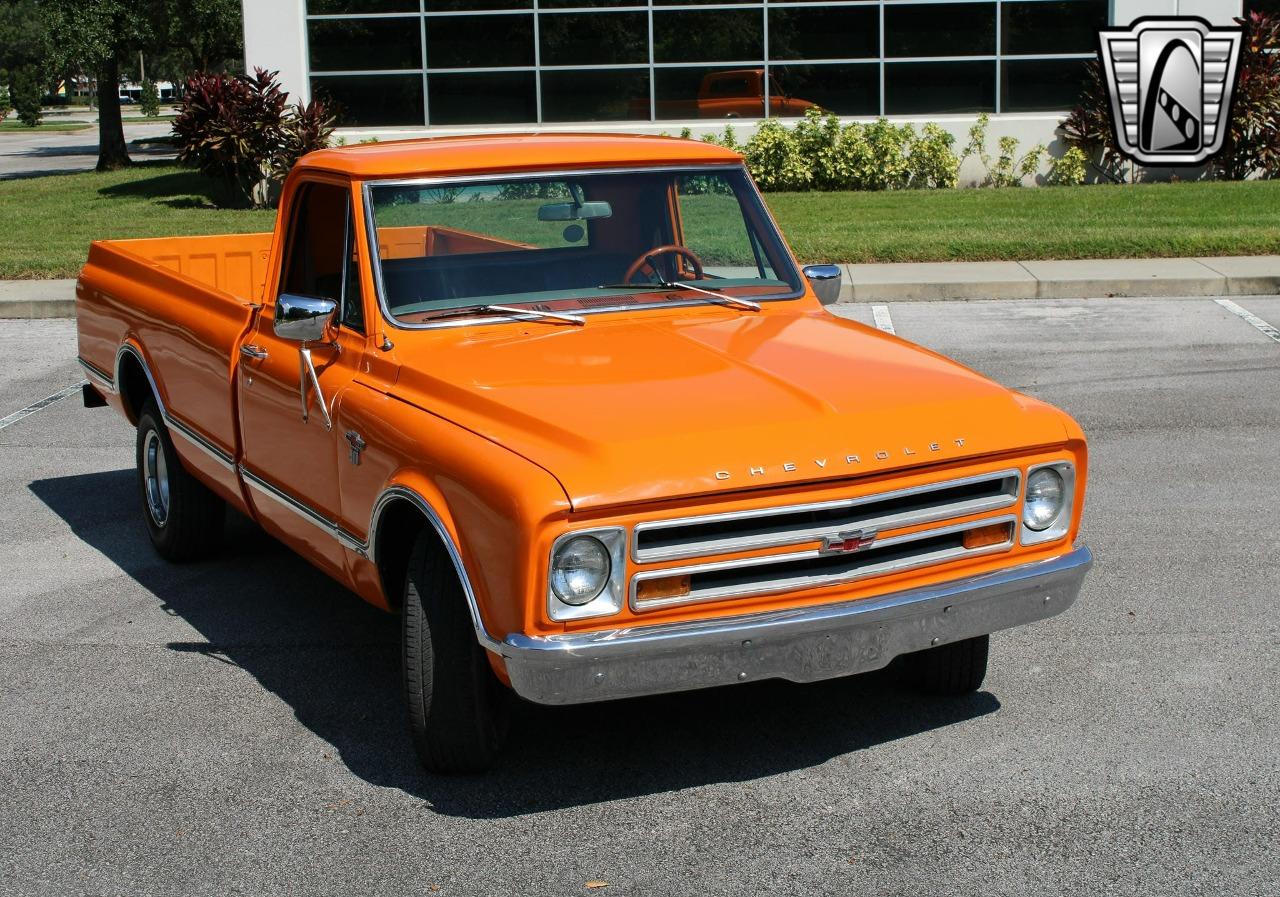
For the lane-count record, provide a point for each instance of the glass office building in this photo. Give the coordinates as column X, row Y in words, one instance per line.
column 413, row 63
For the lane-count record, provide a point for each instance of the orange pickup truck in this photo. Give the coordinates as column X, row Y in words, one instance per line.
column 568, row 405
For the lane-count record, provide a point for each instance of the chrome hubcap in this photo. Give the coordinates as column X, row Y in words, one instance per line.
column 155, row 476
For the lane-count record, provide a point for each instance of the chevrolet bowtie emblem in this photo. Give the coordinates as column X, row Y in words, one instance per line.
column 847, row 543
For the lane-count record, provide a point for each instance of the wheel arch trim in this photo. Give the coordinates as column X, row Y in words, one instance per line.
column 401, row 493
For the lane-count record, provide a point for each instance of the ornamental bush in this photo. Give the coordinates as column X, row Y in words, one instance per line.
column 25, row 93
column 241, row 131
column 150, row 102
column 774, row 158
column 821, row 154
column 1068, row 170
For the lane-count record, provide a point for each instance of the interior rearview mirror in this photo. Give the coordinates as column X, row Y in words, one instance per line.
column 574, row 211
column 825, row 280
column 304, row 319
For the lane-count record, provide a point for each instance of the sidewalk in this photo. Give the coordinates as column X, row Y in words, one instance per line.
column 912, row 282
column 1078, row 279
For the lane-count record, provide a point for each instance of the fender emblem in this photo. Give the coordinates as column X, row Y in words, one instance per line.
column 357, row 446
column 848, row 542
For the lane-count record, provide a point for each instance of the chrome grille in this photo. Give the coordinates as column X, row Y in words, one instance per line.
column 712, row 534
column 814, row 569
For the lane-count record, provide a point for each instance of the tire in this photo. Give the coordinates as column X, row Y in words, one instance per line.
column 183, row 517
column 951, row 670
column 459, row 712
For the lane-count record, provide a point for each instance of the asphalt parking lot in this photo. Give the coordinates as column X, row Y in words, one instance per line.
column 234, row 727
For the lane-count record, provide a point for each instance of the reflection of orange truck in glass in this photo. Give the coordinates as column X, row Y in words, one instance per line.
column 738, row 93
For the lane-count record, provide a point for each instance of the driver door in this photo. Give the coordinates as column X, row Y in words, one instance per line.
column 291, row 463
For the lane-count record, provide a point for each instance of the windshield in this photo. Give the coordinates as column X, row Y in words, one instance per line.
column 576, row 243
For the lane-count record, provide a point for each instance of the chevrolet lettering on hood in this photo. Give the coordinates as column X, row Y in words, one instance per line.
column 837, row 462
column 585, row 444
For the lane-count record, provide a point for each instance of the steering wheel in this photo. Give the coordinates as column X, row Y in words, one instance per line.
column 648, row 259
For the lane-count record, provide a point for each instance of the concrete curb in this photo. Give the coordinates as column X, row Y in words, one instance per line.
column 32, row 299
column 1068, row 279
column 1249, row 275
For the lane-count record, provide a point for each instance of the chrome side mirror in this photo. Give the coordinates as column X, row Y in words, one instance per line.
column 306, row 319
column 303, row 319
column 825, row 280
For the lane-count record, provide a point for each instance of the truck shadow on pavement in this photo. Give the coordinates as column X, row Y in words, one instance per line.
column 334, row 660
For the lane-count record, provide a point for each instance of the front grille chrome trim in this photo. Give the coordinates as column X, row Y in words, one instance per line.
column 813, row 581
column 1009, row 496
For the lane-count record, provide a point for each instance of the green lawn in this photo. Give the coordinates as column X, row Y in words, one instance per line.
column 48, row 222
column 12, row 125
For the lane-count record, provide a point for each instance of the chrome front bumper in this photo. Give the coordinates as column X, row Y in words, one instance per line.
column 800, row 645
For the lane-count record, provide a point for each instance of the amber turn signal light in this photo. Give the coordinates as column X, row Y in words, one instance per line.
column 664, row 587
column 986, row 535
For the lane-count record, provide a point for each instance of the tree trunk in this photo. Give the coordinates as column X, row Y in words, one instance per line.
column 112, row 152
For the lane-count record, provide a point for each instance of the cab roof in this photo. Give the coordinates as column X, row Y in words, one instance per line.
column 511, row 152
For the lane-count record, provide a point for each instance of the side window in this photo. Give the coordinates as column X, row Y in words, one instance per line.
column 321, row 252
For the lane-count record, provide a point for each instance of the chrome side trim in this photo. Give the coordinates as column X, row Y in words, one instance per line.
column 487, row 640
column 95, row 373
column 815, row 581
column 223, row 458
column 304, row 511
column 812, row 534
column 801, row 645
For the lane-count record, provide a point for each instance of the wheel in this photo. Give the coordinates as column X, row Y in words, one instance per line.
column 458, row 710
column 183, row 517
column 953, row 669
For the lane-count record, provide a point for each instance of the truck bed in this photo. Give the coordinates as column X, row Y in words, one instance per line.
column 180, row 304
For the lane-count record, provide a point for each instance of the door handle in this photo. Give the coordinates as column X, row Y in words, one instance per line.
column 252, row 351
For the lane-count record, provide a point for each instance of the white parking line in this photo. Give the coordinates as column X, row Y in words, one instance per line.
column 883, row 321
column 1250, row 317
column 43, row 403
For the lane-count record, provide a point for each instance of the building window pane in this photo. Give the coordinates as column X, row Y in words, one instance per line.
column 709, row 93
column 933, row 87
column 1039, row 85
column 1272, row 7
column 940, row 29
column 1064, row 27
column 852, row 89
column 344, row 7
column 474, row 5
column 824, row 32
column 482, row 99
column 595, row 95
column 562, row 4
column 594, row 38
column 708, row 35
column 365, row 101
column 459, row 42
column 352, row 45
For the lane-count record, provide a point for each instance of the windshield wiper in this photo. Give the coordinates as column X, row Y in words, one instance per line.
column 468, row 310
column 722, row 298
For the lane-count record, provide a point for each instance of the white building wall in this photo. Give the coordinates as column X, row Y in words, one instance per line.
column 275, row 38
column 1215, row 12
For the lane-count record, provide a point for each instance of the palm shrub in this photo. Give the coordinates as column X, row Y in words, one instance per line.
column 1252, row 143
column 241, row 131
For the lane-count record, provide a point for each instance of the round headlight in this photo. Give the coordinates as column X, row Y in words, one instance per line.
column 580, row 570
column 1045, row 495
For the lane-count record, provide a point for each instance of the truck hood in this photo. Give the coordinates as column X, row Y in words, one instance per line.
column 641, row 407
